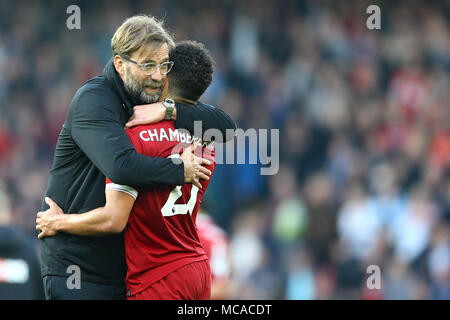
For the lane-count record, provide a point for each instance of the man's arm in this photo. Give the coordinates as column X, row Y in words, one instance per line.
column 211, row 117
column 97, row 130
column 112, row 218
column 184, row 116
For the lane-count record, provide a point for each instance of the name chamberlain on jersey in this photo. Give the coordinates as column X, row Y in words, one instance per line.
column 182, row 136
column 169, row 134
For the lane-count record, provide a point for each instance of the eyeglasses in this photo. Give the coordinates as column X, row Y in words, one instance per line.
column 150, row 68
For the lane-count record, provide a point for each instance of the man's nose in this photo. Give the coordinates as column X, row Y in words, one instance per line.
column 157, row 75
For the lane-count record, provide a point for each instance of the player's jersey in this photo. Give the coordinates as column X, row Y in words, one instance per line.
column 161, row 234
column 216, row 244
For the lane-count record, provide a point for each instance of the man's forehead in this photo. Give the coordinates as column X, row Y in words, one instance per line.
column 155, row 52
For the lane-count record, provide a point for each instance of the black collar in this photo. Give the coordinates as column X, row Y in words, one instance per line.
column 110, row 73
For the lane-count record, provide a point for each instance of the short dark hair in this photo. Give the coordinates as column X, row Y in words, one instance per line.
column 192, row 71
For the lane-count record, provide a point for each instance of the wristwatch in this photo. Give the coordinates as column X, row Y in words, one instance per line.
column 170, row 105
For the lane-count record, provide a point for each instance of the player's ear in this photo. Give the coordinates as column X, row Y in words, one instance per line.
column 165, row 90
column 119, row 65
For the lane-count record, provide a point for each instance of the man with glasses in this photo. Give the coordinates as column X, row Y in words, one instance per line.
column 150, row 68
column 93, row 144
column 164, row 255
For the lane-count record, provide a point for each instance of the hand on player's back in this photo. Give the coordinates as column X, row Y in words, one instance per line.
column 46, row 221
column 193, row 169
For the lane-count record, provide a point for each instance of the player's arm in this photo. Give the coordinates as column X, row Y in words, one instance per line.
column 211, row 118
column 96, row 128
column 112, row 218
column 185, row 116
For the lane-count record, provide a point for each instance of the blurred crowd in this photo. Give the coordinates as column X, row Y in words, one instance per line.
column 364, row 120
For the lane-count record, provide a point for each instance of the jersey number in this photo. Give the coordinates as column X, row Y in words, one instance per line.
column 170, row 208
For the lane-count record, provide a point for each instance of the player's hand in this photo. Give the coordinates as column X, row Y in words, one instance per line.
column 46, row 221
column 146, row 114
column 193, row 169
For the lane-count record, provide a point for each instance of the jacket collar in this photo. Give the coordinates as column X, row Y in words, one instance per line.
column 110, row 73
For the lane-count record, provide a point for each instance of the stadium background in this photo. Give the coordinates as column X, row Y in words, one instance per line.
column 364, row 133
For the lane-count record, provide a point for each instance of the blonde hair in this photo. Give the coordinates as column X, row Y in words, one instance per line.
column 138, row 31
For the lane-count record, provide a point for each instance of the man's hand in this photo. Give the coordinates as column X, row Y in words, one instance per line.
column 193, row 169
column 148, row 113
column 47, row 221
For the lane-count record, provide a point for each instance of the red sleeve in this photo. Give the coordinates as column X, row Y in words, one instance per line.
column 111, row 186
column 134, row 139
column 133, row 135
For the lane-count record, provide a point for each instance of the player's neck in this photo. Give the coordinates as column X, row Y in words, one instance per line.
column 183, row 100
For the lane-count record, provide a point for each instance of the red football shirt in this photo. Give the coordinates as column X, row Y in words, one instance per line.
column 161, row 234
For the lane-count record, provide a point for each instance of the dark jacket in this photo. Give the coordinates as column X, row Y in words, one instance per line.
column 93, row 144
